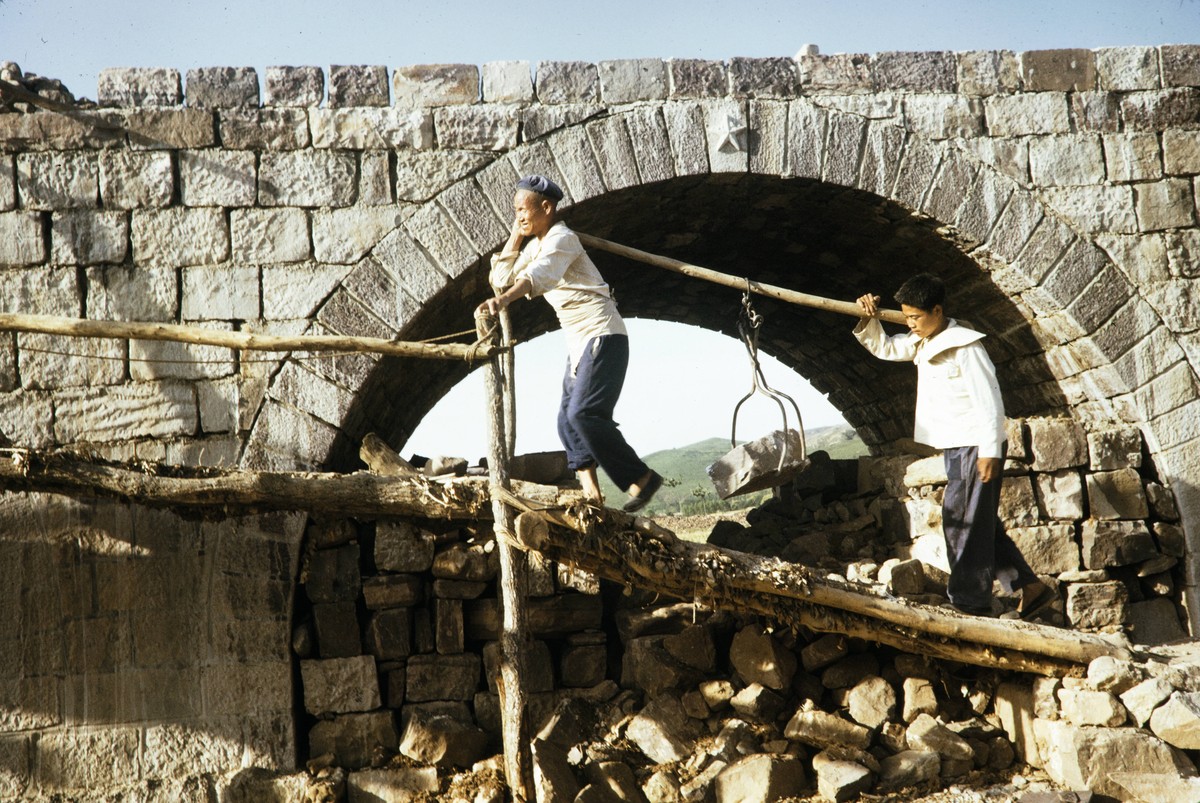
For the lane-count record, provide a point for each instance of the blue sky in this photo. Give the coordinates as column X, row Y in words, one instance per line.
column 672, row 367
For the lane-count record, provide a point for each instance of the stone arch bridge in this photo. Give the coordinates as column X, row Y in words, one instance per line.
column 1056, row 192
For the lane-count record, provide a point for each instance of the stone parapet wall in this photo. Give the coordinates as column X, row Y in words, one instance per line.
column 141, row 651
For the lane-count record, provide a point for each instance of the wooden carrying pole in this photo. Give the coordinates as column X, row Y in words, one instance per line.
column 82, row 327
column 518, row 763
column 736, row 282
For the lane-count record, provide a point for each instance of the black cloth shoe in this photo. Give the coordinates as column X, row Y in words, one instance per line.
column 645, row 495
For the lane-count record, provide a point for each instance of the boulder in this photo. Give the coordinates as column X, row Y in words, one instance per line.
column 399, row 784
column 909, row 768
column 821, row 729
column 1084, row 707
column 871, row 702
column 1085, row 757
column 760, row 778
column 926, row 733
column 839, row 779
column 759, row 658
column 1177, row 721
column 663, row 731
column 1141, row 700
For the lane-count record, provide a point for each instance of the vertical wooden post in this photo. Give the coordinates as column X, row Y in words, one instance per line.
column 518, row 764
column 508, row 368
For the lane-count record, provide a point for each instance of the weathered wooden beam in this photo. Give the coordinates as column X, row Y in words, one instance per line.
column 606, row 544
column 363, row 494
column 736, row 282
column 82, row 327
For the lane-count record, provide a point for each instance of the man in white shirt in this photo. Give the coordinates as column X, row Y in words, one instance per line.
column 960, row 411
column 545, row 258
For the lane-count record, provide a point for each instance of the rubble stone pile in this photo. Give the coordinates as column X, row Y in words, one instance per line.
column 660, row 700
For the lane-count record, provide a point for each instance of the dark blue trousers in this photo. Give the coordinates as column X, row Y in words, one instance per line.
column 978, row 548
column 585, row 417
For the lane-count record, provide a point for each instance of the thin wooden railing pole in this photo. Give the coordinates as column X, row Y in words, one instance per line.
column 518, row 764
column 130, row 330
column 736, row 282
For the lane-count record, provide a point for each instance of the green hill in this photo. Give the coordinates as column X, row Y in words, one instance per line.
column 689, row 490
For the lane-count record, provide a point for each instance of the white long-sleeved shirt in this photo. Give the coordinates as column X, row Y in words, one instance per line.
column 958, row 397
column 558, row 268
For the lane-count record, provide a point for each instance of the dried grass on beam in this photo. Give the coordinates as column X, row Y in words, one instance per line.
column 619, row 547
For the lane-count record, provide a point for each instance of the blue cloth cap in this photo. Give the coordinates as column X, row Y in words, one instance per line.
column 542, row 186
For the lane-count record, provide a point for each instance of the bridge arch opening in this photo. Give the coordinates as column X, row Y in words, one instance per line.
column 810, row 236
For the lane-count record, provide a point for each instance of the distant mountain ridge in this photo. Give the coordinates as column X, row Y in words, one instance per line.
column 684, row 468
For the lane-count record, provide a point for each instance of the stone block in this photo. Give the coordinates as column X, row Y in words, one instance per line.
column 1056, row 443
column 218, row 292
column 424, row 85
column 1115, row 449
column 352, row 739
column 1132, row 157
column 135, row 179
column 294, row 86
column 824, row 730
column 1064, row 70
column 1014, row 708
column 507, row 82
column 1116, row 495
column 138, row 86
column 403, row 783
column 567, row 82
column 582, row 665
column 1097, row 112
column 632, row 80
column 389, row 634
column 149, row 360
column 696, row 78
column 663, row 731
column 1115, row 543
column 1049, row 549
column 760, row 778
column 448, row 626
column 271, row 129
column 1180, row 152
column 1067, row 160
column 176, row 237
column 1060, row 494
column 647, row 666
column 757, row 703
column 763, row 78
column 925, row 71
column 1141, row 700
column 1155, row 621
column 918, row 699
column 1160, row 110
column 22, row 241
column 1018, row 505
column 313, row 178
column 340, row 685
column 269, row 235
column 461, row 589
column 83, row 237
column 120, row 412
column 66, row 759
column 1097, row 605
column 1180, row 65
column 909, row 768
column 165, row 129
column 337, row 630
column 486, row 128
column 695, row 647
column 222, row 87
column 401, row 546
column 871, row 702
column 845, row 72
column 1096, row 708
column 943, row 116
column 759, row 658
column 375, row 179
column 57, row 181
column 441, row 740
column 1165, row 204
column 217, row 178
column 333, row 575
column 357, row 85
column 988, row 72
column 1127, row 68
column 393, row 591
column 1085, row 758
column 442, row 677
column 465, row 562
column 1027, row 114
column 367, row 128
column 926, row 733
column 553, row 777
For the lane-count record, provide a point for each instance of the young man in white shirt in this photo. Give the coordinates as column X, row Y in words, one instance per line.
column 960, row 411
column 545, row 258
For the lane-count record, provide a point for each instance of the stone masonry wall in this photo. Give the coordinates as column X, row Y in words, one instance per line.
column 358, row 200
